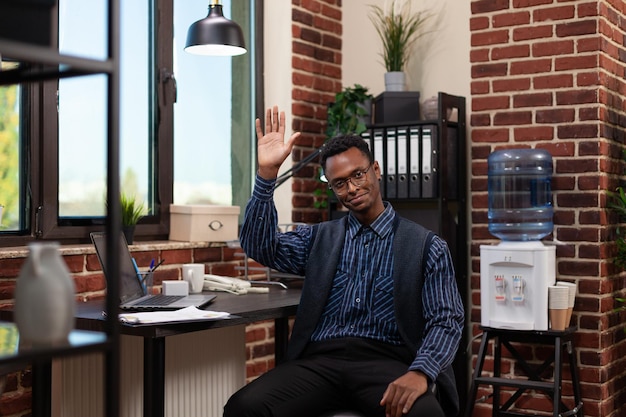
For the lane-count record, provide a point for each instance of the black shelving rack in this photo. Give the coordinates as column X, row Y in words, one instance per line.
column 32, row 62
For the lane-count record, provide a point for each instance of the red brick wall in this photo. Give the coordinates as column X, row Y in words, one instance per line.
column 316, row 77
column 550, row 74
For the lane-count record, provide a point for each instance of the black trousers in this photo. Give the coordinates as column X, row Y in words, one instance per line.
column 340, row 374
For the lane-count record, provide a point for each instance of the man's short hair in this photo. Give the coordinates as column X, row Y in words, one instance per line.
column 340, row 144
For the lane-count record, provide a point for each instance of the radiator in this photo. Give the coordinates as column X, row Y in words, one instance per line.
column 202, row 369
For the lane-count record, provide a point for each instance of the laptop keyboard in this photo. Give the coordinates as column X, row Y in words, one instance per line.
column 159, row 300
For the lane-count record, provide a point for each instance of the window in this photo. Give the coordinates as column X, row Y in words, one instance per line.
column 202, row 127
column 82, row 111
column 179, row 142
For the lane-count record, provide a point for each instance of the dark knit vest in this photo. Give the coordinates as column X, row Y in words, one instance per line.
column 411, row 241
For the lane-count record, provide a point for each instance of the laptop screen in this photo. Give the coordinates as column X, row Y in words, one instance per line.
column 130, row 287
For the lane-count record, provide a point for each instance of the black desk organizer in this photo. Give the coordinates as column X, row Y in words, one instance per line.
column 560, row 340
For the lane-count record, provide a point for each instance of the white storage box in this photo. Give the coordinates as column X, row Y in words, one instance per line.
column 204, row 223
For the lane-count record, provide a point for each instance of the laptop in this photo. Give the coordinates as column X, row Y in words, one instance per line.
column 132, row 293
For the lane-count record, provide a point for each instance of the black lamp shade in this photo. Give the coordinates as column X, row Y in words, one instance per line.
column 215, row 35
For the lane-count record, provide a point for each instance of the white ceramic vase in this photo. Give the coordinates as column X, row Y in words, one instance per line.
column 395, row 81
column 44, row 297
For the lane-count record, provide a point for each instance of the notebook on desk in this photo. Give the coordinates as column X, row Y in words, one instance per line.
column 132, row 294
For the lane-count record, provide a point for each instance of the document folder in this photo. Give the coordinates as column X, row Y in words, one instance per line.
column 402, row 175
column 380, row 157
column 367, row 137
column 429, row 162
column 415, row 178
column 392, row 191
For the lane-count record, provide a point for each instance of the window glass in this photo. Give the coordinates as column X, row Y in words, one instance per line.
column 10, row 167
column 83, row 107
column 202, row 114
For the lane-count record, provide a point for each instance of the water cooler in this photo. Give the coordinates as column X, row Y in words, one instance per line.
column 516, row 273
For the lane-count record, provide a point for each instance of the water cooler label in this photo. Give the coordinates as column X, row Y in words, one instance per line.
column 500, row 290
column 518, row 288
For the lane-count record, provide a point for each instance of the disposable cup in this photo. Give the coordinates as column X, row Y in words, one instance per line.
column 558, row 297
column 571, row 291
column 558, row 318
column 571, row 297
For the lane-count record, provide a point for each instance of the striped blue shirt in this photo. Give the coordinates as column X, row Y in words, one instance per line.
column 361, row 299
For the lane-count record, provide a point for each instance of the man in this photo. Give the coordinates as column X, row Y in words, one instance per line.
column 380, row 316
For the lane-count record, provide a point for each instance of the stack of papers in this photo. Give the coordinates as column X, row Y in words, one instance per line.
column 184, row 314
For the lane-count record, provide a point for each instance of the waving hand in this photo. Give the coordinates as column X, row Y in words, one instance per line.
column 272, row 150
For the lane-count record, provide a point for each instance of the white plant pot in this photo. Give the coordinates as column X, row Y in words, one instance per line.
column 395, row 81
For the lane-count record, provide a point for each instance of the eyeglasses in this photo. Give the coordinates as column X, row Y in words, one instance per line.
column 357, row 179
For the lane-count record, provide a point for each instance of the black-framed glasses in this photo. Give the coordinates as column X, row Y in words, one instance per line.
column 340, row 187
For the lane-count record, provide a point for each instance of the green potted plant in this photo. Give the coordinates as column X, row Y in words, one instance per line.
column 132, row 211
column 350, row 112
column 617, row 202
column 398, row 28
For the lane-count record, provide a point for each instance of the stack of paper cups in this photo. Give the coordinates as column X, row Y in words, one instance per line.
column 558, row 300
column 572, row 298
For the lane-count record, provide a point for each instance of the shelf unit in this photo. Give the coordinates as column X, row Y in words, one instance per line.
column 433, row 153
column 31, row 62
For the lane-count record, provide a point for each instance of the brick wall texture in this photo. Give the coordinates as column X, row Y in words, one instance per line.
column 316, row 77
column 550, row 74
column 544, row 74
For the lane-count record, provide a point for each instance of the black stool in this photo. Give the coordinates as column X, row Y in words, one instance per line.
column 559, row 339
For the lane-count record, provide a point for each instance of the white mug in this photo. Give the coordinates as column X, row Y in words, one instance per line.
column 194, row 275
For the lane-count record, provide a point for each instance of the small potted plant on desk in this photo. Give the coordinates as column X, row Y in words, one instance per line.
column 132, row 211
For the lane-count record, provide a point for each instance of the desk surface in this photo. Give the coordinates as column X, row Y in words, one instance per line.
column 249, row 308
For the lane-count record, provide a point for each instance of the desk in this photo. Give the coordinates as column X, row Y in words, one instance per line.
column 278, row 304
column 560, row 340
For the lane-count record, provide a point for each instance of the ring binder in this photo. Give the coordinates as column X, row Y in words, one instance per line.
column 402, row 152
column 429, row 163
column 415, row 179
column 380, row 157
column 391, row 163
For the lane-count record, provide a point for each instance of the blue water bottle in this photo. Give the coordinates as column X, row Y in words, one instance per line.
column 520, row 197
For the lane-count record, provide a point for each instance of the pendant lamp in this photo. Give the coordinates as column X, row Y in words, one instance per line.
column 215, row 35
